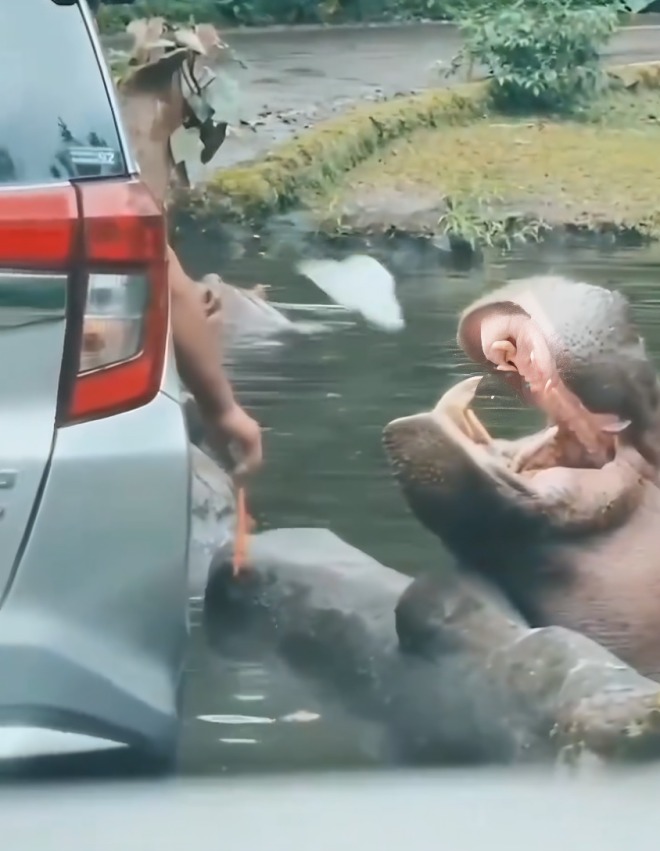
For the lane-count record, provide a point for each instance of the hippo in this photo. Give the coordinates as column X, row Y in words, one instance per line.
column 243, row 314
column 564, row 522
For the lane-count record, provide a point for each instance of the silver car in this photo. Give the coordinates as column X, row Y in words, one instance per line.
column 94, row 460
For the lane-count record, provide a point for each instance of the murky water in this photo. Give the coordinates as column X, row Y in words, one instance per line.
column 323, row 399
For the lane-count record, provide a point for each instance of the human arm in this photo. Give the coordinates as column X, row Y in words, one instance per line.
column 199, row 362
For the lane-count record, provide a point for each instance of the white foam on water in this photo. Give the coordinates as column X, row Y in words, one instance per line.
column 302, row 716
column 309, row 308
column 235, row 719
column 358, row 283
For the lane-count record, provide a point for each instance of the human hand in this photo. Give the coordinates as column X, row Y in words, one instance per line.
column 235, row 426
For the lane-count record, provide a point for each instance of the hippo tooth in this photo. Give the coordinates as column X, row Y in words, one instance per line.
column 615, row 427
column 527, row 453
column 479, row 431
column 458, row 397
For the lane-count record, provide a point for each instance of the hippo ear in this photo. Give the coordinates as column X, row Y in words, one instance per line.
column 468, row 335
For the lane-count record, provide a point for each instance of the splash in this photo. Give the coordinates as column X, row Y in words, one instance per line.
column 361, row 284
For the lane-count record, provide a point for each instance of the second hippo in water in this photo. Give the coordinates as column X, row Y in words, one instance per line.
column 566, row 522
column 243, row 314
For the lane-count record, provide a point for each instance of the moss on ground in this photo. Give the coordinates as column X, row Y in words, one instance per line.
column 467, row 170
column 600, row 172
column 321, row 156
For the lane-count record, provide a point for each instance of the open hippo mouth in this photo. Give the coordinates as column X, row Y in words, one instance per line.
column 570, row 350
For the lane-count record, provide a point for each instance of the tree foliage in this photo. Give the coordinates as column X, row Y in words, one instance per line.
column 542, row 55
column 264, row 12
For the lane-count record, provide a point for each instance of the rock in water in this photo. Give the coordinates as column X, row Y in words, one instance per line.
column 212, row 517
column 442, row 662
column 328, row 610
column 358, row 283
column 561, row 686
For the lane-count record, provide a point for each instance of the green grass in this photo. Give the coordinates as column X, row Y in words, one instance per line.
column 584, row 173
column 475, row 173
column 320, row 157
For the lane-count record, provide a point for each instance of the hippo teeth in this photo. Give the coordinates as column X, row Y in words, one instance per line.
column 613, row 425
column 455, row 404
column 535, row 453
column 526, row 456
column 527, row 353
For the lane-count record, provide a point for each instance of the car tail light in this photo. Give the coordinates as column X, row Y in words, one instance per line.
column 113, row 320
column 38, row 228
column 121, row 332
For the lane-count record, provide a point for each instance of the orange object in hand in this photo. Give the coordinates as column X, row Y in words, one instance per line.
column 244, row 525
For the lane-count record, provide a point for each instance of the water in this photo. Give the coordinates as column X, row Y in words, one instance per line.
column 323, row 399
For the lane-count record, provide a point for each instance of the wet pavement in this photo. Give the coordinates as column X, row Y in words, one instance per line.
column 423, row 810
column 296, row 77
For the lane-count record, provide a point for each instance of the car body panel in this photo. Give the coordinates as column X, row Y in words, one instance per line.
column 171, row 383
column 94, row 516
column 93, row 629
column 32, row 326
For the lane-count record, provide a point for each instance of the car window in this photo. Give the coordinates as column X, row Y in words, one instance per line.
column 57, row 121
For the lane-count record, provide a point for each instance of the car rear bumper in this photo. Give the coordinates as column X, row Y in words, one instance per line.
column 93, row 626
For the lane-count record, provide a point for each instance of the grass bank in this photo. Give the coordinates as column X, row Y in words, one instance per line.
column 321, row 157
column 444, row 161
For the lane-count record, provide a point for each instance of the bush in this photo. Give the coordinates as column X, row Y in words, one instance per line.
column 543, row 56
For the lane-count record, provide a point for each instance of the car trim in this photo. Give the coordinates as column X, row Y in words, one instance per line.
column 131, row 164
column 31, row 187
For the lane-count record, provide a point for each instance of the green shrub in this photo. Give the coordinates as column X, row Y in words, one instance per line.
column 543, row 56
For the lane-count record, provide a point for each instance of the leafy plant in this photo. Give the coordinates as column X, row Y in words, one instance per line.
column 474, row 221
column 542, row 55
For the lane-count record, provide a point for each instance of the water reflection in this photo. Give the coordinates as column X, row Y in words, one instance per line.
column 323, row 399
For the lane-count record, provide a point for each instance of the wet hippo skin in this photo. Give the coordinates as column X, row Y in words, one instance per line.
column 565, row 522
